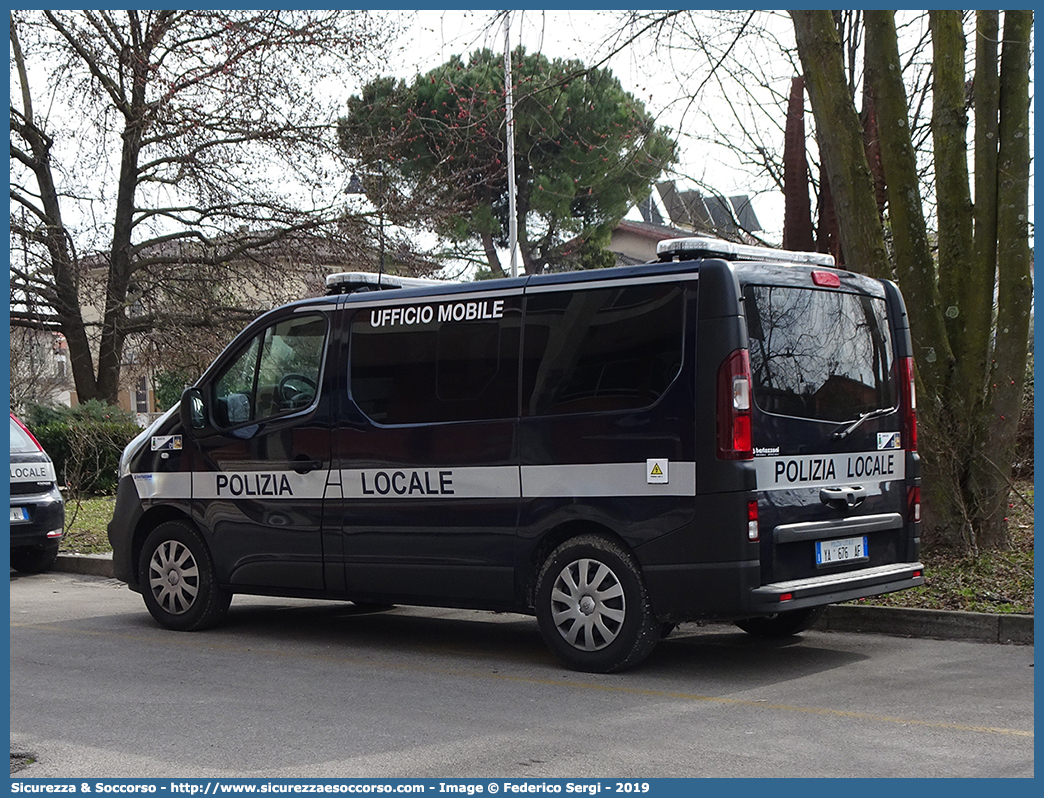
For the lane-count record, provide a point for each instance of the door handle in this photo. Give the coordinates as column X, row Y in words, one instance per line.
column 302, row 464
column 851, row 496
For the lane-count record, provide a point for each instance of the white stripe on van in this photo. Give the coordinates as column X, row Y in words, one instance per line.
column 437, row 482
column 830, row 470
column 605, row 479
column 258, row 484
column 441, row 482
column 166, row 485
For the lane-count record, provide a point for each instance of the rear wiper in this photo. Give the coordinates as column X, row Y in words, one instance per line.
column 851, row 427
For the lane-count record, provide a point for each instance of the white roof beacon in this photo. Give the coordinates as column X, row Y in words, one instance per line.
column 686, row 248
column 351, row 282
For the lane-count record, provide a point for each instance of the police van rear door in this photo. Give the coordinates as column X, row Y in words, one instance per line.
column 827, row 423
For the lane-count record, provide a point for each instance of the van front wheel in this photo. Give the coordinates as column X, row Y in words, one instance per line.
column 782, row 624
column 593, row 608
column 178, row 581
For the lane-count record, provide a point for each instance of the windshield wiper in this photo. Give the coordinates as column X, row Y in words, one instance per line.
column 851, row 427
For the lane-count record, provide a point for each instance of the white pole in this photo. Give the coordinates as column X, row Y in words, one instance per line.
column 510, row 104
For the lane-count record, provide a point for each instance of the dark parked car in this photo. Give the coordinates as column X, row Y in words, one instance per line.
column 37, row 509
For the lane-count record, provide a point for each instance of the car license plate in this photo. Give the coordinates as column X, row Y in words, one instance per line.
column 19, row 514
column 831, row 552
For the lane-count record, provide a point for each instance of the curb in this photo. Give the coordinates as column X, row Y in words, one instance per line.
column 87, row 564
column 981, row 627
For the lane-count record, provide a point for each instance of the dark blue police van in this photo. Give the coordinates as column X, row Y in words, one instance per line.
column 728, row 433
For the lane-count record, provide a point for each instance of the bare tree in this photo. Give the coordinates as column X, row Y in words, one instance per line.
column 971, row 354
column 227, row 174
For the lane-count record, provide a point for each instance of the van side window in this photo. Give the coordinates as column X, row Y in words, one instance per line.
column 277, row 372
column 601, row 349
column 410, row 367
column 819, row 354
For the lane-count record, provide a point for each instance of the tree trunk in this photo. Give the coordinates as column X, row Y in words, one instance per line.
column 62, row 261
column 491, row 255
column 974, row 263
column 945, row 468
column 986, row 102
column 797, row 212
column 913, row 256
column 965, row 294
column 113, row 337
column 843, row 155
column 1015, row 281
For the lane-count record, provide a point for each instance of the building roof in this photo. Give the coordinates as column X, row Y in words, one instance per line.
column 715, row 214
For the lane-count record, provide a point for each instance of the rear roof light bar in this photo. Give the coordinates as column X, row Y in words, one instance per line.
column 689, row 248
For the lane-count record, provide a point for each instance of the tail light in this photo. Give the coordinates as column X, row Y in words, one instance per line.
column 734, row 402
column 752, row 521
column 909, row 398
column 826, row 279
column 914, row 501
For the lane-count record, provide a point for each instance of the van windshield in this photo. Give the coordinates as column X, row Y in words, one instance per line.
column 823, row 355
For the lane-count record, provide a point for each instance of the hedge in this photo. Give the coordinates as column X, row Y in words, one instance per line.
column 85, row 445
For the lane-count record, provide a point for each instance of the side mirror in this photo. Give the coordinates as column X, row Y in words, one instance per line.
column 194, row 415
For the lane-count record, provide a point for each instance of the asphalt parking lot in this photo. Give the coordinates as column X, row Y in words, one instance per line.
column 309, row 689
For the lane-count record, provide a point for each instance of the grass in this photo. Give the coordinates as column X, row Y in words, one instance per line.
column 996, row 581
column 86, row 523
column 992, row 581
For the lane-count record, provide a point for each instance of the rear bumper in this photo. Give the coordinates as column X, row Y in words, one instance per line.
column 831, row 588
column 700, row 591
column 46, row 522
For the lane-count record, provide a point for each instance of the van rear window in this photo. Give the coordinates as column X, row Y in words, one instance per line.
column 819, row 354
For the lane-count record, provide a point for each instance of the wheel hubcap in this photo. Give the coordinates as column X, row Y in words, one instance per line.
column 587, row 604
column 174, row 577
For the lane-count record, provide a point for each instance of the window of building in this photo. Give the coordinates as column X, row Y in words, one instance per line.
column 141, row 395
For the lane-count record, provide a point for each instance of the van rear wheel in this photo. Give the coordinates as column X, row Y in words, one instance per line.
column 593, row 608
column 177, row 579
column 782, row 624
